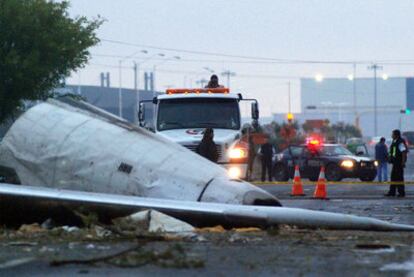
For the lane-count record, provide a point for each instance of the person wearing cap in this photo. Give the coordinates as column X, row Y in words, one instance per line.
column 214, row 82
column 381, row 155
column 207, row 147
column 398, row 158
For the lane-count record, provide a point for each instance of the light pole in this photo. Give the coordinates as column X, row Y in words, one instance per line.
column 289, row 99
column 155, row 68
column 202, row 82
column 375, row 67
column 120, row 79
column 354, row 96
column 228, row 74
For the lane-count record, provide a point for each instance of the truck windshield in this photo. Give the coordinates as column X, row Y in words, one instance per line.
column 198, row 113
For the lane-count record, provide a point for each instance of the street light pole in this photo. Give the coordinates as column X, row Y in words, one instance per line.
column 136, row 88
column 354, row 94
column 120, row 90
column 155, row 68
column 289, row 100
column 120, row 108
column 228, row 74
column 375, row 67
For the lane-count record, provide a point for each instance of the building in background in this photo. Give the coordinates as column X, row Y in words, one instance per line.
column 352, row 101
column 106, row 98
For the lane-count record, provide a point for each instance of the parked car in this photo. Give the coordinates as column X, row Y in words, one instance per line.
column 338, row 161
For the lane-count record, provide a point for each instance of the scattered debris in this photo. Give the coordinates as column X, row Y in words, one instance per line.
column 215, row 229
column 16, row 262
column 21, row 243
column 372, row 246
column 70, row 229
column 153, row 222
column 31, row 228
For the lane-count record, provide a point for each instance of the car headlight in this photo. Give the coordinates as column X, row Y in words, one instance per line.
column 376, row 163
column 237, row 153
column 347, row 163
column 234, row 172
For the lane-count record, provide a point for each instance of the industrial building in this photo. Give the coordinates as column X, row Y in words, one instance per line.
column 353, row 101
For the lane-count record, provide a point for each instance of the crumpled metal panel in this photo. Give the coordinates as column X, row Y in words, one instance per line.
column 74, row 145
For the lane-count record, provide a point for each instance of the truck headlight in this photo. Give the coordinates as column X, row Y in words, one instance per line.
column 234, row 173
column 376, row 163
column 237, row 153
column 347, row 163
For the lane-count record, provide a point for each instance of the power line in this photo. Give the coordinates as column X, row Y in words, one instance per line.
column 231, row 55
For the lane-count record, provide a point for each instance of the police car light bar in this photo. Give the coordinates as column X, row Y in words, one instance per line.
column 197, row 90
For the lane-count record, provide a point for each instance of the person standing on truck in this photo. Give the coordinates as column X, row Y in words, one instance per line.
column 381, row 155
column 266, row 151
column 214, row 82
column 398, row 158
column 207, row 147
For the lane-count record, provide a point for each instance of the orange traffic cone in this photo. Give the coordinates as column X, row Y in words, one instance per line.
column 320, row 190
column 297, row 188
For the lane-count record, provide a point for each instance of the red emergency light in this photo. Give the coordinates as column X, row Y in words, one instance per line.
column 314, row 143
column 197, row 90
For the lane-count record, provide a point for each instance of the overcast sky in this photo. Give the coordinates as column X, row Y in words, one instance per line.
column 300, row 30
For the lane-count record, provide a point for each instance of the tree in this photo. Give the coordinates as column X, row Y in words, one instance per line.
column 39, row 46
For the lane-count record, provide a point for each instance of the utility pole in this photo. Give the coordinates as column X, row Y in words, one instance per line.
column 228, row 74
column 289, row 100
column 375, row 67
column 120, row 90
column 136, row 88
column 202, row 82
column 354, row 94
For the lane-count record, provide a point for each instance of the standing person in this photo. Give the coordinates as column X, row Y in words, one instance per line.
column 214, row 82
column 381, row 155
column 252, row 156
column 398, row 158
column 266, row 151
column 207, row 147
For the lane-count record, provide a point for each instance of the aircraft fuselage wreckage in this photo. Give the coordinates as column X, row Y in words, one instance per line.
column 69, row 153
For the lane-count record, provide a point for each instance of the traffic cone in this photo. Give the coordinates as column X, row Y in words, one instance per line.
column 297, row 188
column 320, row 190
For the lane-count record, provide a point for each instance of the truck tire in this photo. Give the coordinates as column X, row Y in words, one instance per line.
column 280, row 173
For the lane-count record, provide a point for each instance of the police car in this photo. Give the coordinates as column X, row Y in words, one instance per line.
column 339, row 162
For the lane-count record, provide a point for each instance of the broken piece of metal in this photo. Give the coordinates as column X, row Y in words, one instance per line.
column 195, row 213
column 69, row 144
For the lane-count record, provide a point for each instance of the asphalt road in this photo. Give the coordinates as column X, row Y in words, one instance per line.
column 285, row 251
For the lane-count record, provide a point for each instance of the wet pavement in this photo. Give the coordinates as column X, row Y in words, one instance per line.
column 284, row 251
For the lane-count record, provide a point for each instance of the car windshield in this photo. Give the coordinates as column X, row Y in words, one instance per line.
column 198, row 113
column 335, row 150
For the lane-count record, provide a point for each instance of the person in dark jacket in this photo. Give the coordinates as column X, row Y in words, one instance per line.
column 251, row 157
column 398, row 158
column 266, row 151
column 214, row 82
column 207, row 147
column 381, row 155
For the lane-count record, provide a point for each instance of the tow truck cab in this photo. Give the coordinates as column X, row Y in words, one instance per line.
column 181, row 115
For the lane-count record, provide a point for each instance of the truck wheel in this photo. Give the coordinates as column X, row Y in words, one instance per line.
column 333, row 173
column 280, row 173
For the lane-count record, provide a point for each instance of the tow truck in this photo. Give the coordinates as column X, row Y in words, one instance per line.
column 182, row 115
column 338, row 161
